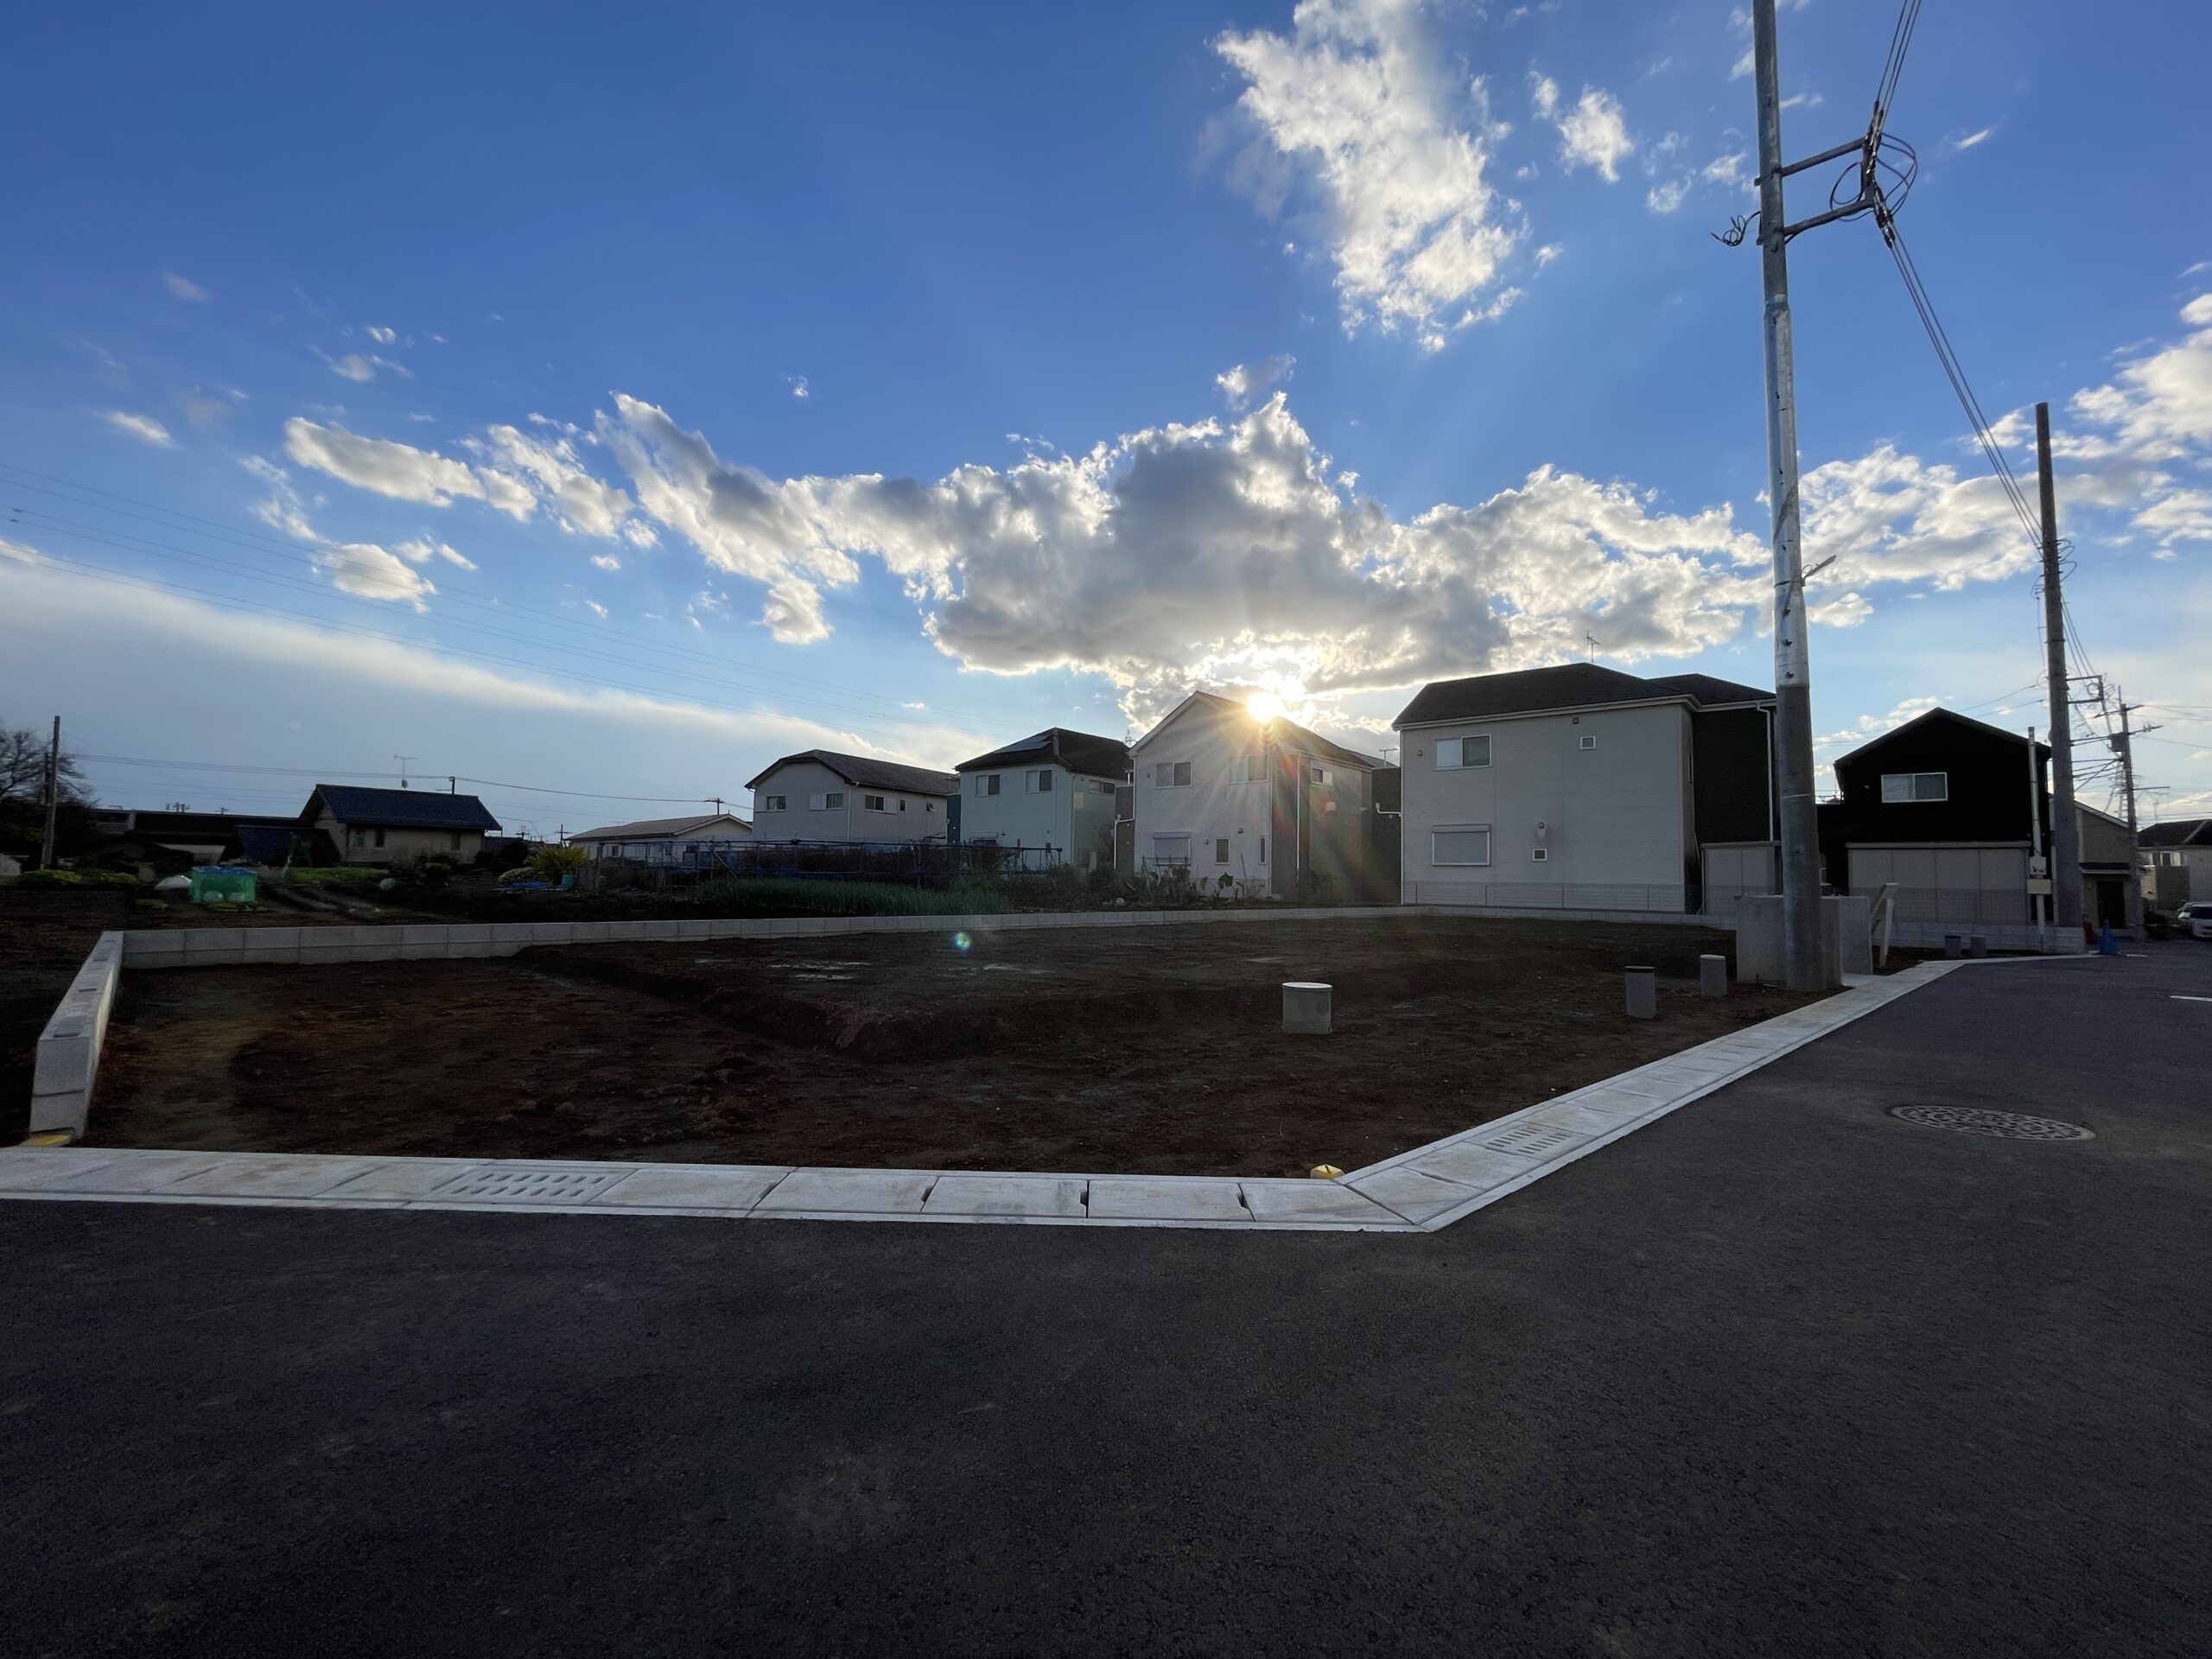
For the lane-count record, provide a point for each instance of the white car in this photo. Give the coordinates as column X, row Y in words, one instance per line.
column 2194, row 918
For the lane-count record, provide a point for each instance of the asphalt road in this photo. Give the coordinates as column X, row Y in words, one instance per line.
column 1781, row 1374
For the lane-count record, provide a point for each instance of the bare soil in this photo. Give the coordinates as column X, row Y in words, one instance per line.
column 1153, row 1049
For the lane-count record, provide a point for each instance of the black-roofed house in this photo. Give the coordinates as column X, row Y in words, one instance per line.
column 386, row 826
column 1280, row 811
column 1055, row 790
column 821, row 795
column 1952, row 810
column 2176, row 861
column 1580, row 787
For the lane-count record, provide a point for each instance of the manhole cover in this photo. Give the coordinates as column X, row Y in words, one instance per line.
column 2013, row 1126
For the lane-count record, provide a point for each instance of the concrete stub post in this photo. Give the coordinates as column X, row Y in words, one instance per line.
column 1713, row 975
column 1953, row 945
column 1978, row 944
column 1643, row 992
column 1305, row 1007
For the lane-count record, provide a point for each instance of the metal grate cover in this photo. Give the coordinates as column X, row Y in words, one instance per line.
column 1533, row 1139
column 2012, row 1125
column 531, row 1186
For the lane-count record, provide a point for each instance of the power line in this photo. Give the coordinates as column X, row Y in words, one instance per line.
column 325, row 772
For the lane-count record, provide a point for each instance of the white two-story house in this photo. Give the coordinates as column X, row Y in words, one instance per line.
column 823, row 795
column 1055, row 790
column 1580, row 787
column 1278, row 811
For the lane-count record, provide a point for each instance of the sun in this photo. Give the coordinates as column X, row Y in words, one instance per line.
column 1264, row 706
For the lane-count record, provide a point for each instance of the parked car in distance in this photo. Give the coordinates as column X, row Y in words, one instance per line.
column 2194, row 918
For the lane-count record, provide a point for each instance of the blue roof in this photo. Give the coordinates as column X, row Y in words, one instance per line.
column 411, row 809
column 270, row 843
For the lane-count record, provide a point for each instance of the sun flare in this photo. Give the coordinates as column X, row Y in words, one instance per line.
column 1264, row 706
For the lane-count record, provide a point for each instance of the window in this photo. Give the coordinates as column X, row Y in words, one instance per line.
column 379, row 837
column 987, row 783
column 1172, row 774
column 1320, row 774
column 1221, row 850
column 1171, row 849
column 1263, row 849
column 1464, row 843
column 775, row 804
column 1898, row 786
column 1538, row 854
column 1040, row 781
column 1255, row 767
column 902, row 803
column 872, row 802
column 929, row 806
column 833, row 801
column 1588, row 741
column 1102, row 786
column 355, row 838
column 453, row 842
column 1456, row 754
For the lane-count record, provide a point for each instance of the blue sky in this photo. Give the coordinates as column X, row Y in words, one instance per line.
column 608, row 407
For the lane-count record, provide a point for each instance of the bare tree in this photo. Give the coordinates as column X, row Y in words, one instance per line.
column 22, row 767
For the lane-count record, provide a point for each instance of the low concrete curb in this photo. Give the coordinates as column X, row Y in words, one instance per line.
column 1420, row 1191
column 68, row 1055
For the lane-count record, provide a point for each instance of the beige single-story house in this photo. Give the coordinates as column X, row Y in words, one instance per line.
column 386, row 826
column 663, row 840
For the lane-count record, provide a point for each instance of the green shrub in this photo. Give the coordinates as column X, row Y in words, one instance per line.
column 551, row 863
column 50, row 878
column 336, row 875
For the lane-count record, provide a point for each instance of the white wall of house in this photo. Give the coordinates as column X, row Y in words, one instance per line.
column 2174, row 875
column 804, row 800
column 1201, row 795
column 1073, row 814
column 1612, row 788
column 666, row 849
column 368, row 844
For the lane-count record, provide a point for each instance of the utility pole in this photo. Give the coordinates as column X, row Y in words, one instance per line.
column 2065, row 826
column 2124, row 746
column 1804, row 961
column 53, row 795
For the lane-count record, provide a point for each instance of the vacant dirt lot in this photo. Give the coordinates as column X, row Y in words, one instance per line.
column 1155, row 1049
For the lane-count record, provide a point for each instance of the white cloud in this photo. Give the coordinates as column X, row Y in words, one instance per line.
column 356, row 368
column 1544, row 96
column 368, row 571
column 1241, row 385
column 1357, row 101
column 398, row 470
column 1548, row 253
column 1808, row 100
column 638, row 533
column 1667, row 195
column 1967, row 141
column 800, row 389
column 1190, row 553
column 605, row 561
column 282, row 510
column 424, row 548
column 144, row 428
column 596, row 609
column 201, row 409
column 184, row 287
column 382, row 336
column 578, row 499
column 1594, row 133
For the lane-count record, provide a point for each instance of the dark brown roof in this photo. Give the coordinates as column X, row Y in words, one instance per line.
column 1567, row 685
column 865, row 771
column 410, row 809
column 2181, row 832
column 1079, row 752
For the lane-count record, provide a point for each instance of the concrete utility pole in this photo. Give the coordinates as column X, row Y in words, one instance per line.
column 1803, row 960
column 2065, row 825
column 2124, row 747
column 53, row 795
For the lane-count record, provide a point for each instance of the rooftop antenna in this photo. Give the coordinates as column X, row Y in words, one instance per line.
column 1590, row 645
column 402, row 759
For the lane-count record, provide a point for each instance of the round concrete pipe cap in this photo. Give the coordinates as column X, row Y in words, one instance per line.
column 1643, row 992
column 1306, row 1006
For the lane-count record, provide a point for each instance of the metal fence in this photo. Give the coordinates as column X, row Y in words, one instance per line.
column 918, row 863
column 1550, row 895
column 1970, row 907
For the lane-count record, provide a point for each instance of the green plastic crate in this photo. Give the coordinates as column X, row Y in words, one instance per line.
column 212, row 882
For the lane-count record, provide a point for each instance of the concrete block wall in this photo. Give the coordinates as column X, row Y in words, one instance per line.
column 68, row 1056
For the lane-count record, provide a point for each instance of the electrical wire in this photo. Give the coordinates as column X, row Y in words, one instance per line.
column 1886, row 89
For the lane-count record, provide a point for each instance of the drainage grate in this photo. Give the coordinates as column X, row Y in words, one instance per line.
column 1533, row 1139
column 2012, row 1125
column 532, row 1186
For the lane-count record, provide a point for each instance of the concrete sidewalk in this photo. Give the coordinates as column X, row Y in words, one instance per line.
column 1779, row 1373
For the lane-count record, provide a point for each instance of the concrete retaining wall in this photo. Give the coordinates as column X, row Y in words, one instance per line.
column 69, row 1049
column 218, row 947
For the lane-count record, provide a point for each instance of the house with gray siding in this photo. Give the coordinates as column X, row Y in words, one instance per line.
column 821, row 795
column 1055, row 790
column 1584, row 788
column 674, row 841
